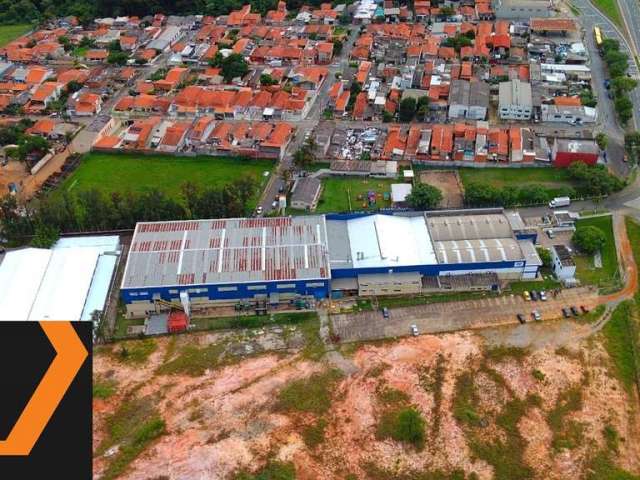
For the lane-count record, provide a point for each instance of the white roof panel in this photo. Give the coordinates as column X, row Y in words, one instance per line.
column 390, row 241
column 20, row 274
column 65, row 284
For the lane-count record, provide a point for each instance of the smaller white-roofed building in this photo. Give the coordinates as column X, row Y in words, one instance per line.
column 69, row 281
column 400, row 192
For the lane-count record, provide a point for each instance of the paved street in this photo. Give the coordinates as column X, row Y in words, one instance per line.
column 590, row 16
column 339, row 64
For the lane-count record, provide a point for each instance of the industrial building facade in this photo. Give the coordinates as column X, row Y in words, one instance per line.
column 280, row 258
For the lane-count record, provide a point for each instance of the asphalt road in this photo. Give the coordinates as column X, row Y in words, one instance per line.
column 339, row 64
column 590, row 16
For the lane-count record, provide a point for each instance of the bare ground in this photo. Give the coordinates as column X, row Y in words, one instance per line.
column 238, row 426
column 449, row 184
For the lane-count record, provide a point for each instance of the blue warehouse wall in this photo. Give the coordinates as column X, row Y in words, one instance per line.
column 428, row 270
column 318, row 288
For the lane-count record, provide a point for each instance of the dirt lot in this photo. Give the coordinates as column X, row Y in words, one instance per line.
column 451, row 316
column 229, row 418
column 449, row 184
column 13, row 172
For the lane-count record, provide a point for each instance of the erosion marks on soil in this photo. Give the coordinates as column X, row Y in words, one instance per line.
column 131, row 429
column 494, row 437
column 567, row 433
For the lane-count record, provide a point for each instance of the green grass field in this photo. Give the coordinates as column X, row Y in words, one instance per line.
column 136, row 173
column 340, row 194
column 607, row 276
column 610, row 9
column 516, row 177
column 11, row 32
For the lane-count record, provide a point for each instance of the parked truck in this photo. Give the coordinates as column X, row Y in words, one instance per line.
column 560, row 202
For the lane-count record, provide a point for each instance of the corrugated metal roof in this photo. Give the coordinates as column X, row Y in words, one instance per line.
column 237, row 250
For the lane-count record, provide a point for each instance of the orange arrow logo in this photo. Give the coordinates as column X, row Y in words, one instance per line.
column 70, row 354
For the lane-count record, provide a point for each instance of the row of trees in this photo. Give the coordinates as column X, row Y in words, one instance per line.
column 618, row 64
column 94, row 210
column 32, row 11
column 587, row 180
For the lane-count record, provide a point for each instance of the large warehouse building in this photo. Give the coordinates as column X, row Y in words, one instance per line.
column 248, row 258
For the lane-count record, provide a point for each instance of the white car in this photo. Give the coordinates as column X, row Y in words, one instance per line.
column 414, row 330
column 259, row 210
column 543, row 295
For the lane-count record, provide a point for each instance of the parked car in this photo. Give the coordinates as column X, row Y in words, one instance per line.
column 584, row 309
column 259, row 210
column 575, row 311
column 385, row 312
column 566, row 313
column 526, row 295
column 414, row 330
column 536, row 315
column 534, row 295
column 521, row 318
column 543, row 295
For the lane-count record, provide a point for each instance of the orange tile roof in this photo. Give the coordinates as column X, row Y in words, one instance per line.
column 567, row 101
column 360, row 105
column 43, row 126
column 553, row 24
column 36, row 75
column 45, row 90
column 279, row 135
column 341, row 102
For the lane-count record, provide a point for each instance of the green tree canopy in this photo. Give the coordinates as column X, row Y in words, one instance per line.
column 407, row 109
column 589, row 239
column 424, row 197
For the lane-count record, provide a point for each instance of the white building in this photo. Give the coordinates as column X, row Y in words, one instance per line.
column 515, row 100
column 563, row 265
column 69, row 281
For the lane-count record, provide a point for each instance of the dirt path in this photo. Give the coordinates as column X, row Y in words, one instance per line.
column 627, row 263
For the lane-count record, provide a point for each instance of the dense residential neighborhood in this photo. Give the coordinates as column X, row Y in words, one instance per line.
column 358, row 240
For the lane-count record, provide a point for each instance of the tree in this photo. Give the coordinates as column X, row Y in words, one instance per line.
column 622, row 85
column 231, row 67
column 45, row 236
column 602, row 140
column 589, row 239
column 632, row 145
column 447, row 11
column 424, row 197
column 266, row 79
column 337, row 46
column 387, row 116
column 422, row 108
column 407, row 109
column 305, row 155
column 624, row 109
column 545, row 256
column 117, row 57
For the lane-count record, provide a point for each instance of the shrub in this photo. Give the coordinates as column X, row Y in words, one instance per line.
column 404, row 425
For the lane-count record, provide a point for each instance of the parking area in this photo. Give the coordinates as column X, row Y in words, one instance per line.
column 452, row 316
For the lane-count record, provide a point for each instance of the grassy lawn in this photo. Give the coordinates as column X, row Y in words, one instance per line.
column 11, row 32
column 136, row 173
column 607, row 276
column 516, row 177
column 610, row 9
column 340, row 194
column 252, row 321
column 548, row 283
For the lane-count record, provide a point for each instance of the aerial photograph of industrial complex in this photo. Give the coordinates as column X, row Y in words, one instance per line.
column 348, row 239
